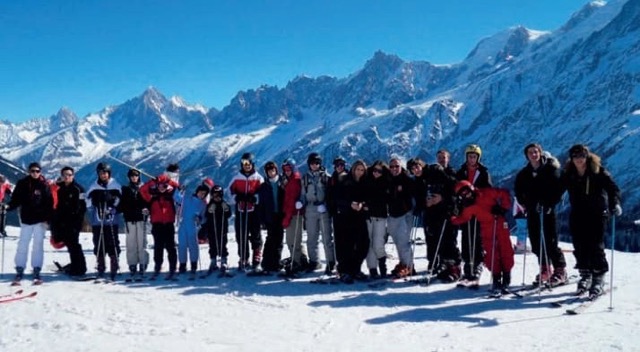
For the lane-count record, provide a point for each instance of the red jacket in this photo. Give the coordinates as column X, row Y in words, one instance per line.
column 292, row 192
column 162, row 206
column 244, row 188
column 486, row 198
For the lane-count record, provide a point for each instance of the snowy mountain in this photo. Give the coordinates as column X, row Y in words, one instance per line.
column 576, row 84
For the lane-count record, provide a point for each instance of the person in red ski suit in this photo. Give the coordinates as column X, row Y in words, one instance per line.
column 489, row 206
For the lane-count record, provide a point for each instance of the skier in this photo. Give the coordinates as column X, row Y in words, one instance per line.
column 244, row 188
column 292, row 221
column 5, row 190
column 378, row 193
column 270, row 213
column 477, row 174
column 217, row 228
column 443, row 157
column 352, row 245
column 33, row 196
column 489, row 206
column 135, row 211
column 594, row 197
column 162, row 211
column 103, row 197
column 400, row 220
column 203, row 237
column 538, row 190
column 190, row 220
column 317, row 220
column 68, row 218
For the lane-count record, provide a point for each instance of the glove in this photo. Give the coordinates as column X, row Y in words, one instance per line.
column 145, row 212
column 252, row 199
column 497, row 210
column 298, row 205
column 617, row 211
column 322, row 208
column 225, row 207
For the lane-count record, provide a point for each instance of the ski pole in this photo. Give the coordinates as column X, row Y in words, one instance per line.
column 108, row 155
column 414, row 231
column 524, row 259
column 543, row 254
column 493, row 249
column 221, row 233
column 2, row 263
column 472, row 245
column 613, row 242
column 444, row 225
column 295, row 238
column 215, row 239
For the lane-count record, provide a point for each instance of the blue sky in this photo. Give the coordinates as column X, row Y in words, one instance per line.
column 89, row 54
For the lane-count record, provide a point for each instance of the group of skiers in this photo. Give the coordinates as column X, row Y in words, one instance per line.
column 352, row 212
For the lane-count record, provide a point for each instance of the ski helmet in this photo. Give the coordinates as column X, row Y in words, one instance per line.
column 473, row 148
column 133, row 172
column 247, row 157
column 339, row 161
column 578, row 150
column 314, row 158
column 103, row 167
column 461, row 185
column 56, row 244
column 217, row 190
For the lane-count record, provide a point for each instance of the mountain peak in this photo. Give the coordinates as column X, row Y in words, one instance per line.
column 63, row 118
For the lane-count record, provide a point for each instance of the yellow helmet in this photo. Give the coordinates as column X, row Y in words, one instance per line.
column 473, row 148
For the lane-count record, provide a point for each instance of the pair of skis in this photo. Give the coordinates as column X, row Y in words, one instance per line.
column 17, row 296
column 582, row 300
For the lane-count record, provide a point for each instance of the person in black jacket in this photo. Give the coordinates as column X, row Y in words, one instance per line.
column 217, row 228
column 538, row 190
column 270, row 213
column 594, row 197
column 352, row 245
column 103, row 197
column 475, row 172
column 378, row 185
column 33, row 196
column 68, row 218
column 136, row 212
column 400, row 220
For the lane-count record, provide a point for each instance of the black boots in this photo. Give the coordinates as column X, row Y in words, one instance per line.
column 382, row 265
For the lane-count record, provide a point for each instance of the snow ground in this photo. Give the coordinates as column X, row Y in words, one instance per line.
column 270, row 314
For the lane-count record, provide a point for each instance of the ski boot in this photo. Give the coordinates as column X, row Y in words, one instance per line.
column 133, row 270
column 559, row 277
column 18, row 277
column 597, row 283
column 37, row 280
column 584, row 283
column 194, row 269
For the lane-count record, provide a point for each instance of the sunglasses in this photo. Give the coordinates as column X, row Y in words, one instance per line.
column 67, row 174
column 376, row 170
column 578, row 155
column 394, row 166
column 34, row 171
